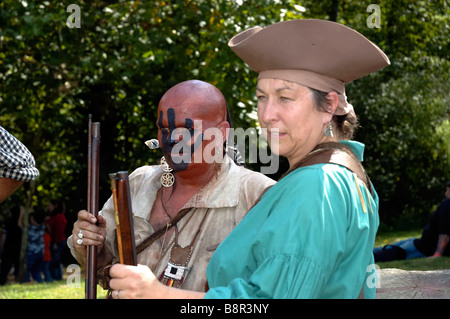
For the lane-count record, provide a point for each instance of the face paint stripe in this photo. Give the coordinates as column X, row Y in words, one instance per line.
column 168, row 142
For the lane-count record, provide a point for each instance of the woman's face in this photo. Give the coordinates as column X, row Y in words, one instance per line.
column 293, row 122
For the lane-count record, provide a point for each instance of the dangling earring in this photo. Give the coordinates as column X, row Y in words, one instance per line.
column 167, row 178
column 329, row 130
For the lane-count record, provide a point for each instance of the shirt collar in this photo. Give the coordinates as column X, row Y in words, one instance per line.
column 221, row 191
column 356, row 147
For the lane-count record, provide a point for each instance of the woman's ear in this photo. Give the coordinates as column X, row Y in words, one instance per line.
column 333, row 99
column 332, row 104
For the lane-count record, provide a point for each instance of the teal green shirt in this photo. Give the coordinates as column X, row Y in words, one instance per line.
column 310, row 236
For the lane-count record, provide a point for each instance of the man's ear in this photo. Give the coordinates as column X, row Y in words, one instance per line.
column 224, row 129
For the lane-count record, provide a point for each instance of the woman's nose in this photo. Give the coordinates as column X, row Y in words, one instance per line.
column 268, row 112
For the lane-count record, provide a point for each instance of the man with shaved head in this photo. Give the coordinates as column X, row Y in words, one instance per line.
column 194, row 198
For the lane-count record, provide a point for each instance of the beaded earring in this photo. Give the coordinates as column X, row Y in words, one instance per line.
column 329, row 130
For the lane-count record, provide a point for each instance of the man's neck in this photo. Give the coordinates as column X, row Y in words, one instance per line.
column 194, row 178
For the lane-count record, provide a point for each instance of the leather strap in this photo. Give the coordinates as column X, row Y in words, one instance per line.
column 339, row 154
column 149, row 240
column 334, row 153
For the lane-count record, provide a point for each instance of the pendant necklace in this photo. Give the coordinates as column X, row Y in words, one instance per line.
column 174, row 273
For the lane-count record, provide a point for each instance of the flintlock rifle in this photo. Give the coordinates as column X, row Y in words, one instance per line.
column 92, row 204
column 123, row 217
column 122, row 209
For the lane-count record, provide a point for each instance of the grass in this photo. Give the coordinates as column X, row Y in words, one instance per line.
column 384, row 238
column 68, row 289
column 59, row 289
column 54, row 290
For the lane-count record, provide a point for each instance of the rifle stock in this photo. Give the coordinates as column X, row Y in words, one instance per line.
column 125, row 226
column 112, row 178
column 92, row 207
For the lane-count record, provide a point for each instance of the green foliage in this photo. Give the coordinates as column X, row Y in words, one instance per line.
column 126, row 54
column 403, row 119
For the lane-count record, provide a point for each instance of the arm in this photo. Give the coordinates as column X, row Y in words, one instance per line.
column 441, row 245
column 138, row 282
column 7, row 187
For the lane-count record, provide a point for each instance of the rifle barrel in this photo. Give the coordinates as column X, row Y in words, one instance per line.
column 93, row 186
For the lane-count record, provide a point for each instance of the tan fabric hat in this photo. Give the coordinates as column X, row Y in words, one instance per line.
column 320, row 54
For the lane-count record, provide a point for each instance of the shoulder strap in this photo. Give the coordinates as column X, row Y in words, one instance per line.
column 333, row 153
column 339, row 154
column 149, row 240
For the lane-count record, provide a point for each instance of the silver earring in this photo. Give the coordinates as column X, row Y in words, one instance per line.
column 167, row 178
column 329, row 130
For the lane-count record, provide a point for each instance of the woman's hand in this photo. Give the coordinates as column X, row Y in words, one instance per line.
column 140, row 282
column 135, row 282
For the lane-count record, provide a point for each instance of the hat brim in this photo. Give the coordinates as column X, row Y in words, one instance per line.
column 324, row 47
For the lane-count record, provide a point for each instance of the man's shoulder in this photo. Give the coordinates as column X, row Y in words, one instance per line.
column 253, row 177
column 145, row 170
column 144, row 173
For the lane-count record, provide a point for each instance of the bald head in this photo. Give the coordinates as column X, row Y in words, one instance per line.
column 196, row 98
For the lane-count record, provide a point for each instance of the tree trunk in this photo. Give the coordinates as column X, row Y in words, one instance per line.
column 334, row 10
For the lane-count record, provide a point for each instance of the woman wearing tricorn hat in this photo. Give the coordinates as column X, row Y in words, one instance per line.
column 311, row 235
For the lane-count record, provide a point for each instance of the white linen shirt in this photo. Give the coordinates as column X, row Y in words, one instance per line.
column 229, row 195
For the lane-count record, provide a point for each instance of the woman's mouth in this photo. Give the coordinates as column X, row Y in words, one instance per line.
column 276, row 133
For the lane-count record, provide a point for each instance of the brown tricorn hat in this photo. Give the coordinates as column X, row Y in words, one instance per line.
column 320, row 54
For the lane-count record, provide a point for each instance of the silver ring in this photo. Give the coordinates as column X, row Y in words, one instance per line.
column 80, row 241
column 117, row 294
column 80, row 234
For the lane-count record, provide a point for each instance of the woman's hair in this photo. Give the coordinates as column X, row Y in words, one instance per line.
column 346, row 125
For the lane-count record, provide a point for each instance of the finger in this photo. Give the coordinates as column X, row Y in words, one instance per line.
column 85, row 233
column 87, row 241
column 118, row 284
column 90, row 238
column 101, row 221
column 85, row 215
column 88, row 231
column 120, row 294
column 118, row 271
column 86, row 225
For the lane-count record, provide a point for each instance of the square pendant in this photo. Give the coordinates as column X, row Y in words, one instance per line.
column 174, row 271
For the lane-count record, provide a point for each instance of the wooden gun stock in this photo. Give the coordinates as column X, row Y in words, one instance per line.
column 92, row 205
column 124, row 219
